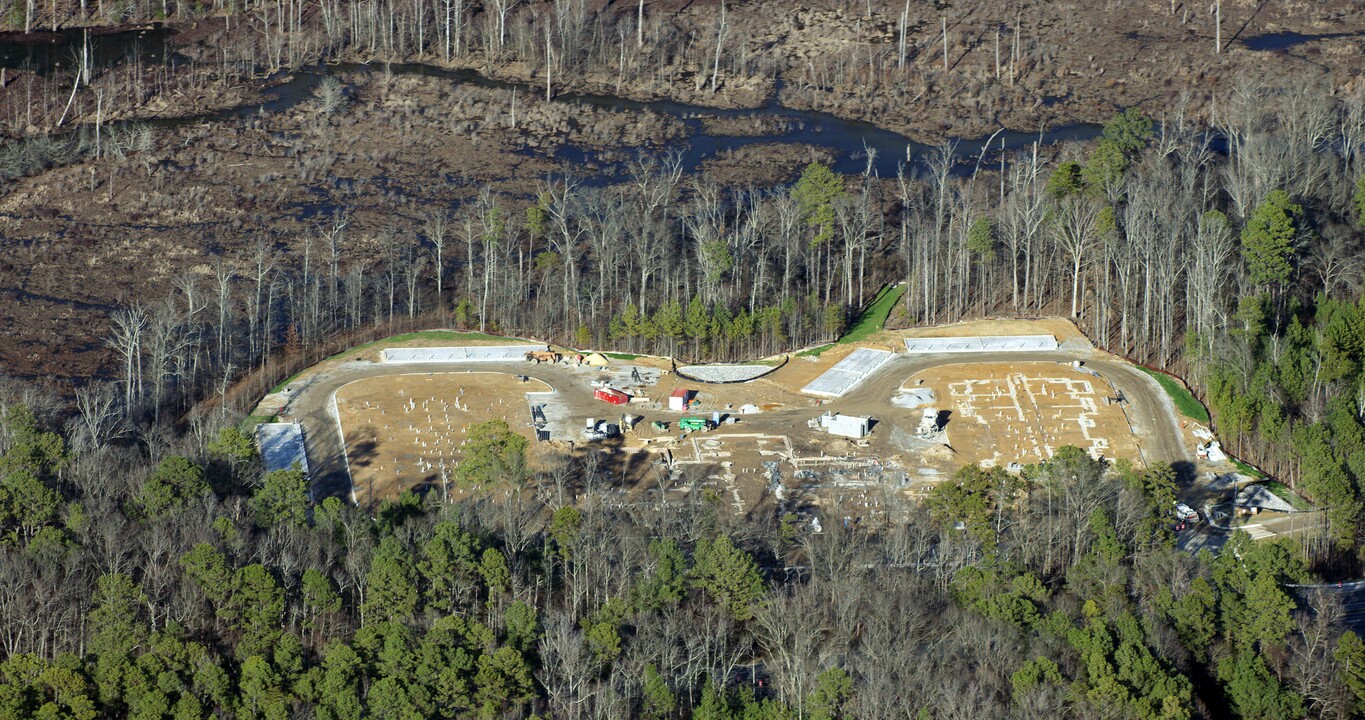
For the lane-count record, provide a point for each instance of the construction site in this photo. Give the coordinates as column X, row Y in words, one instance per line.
column 855, row 424
column 1008, row 414
column 406, row 432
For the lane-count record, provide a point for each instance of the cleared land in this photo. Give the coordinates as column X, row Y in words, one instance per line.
column 402, row 431
column 772, row 456
column 1003, row 413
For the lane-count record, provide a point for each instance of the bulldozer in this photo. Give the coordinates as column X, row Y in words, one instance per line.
column 540, row 356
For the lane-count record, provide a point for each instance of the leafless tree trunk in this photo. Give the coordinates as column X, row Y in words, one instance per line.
column 126, row 340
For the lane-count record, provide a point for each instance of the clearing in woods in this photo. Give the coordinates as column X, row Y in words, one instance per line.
column 1003, row 413
column 401, row 431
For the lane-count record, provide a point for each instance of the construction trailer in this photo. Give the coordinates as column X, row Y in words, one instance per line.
column 680, row 399
column 849, row 426
column 611, row 395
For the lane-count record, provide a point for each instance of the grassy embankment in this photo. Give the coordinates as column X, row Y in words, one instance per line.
column 1184, row 400
column 1190, row 407
column 871, row 321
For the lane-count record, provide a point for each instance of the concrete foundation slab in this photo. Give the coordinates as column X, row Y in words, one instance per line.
column 997, row 343
column 847, row 373
column 484, row 353
column 281, row 446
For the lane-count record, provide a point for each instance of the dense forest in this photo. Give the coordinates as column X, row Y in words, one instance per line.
column 149, row 569
column 185, row 585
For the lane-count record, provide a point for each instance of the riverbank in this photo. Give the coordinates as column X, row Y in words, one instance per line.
column 1035, row 68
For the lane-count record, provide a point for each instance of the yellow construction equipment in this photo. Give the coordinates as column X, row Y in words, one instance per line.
column 540, row 356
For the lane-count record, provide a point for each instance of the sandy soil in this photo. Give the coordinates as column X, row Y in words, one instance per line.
column 401, row 431
column 763, row 392
column 1022, row 412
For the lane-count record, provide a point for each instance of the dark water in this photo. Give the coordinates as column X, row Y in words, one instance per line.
column 849, row 141
column 1286, row 40
column 48, row 52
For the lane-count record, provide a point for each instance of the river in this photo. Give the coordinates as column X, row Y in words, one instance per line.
column 849, row 142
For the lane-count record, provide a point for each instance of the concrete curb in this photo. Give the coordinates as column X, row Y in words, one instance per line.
column 341, row 437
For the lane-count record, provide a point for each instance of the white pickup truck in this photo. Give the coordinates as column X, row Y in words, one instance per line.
column 1185, row 513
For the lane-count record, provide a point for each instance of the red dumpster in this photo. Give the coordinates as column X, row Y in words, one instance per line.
column 611, row 395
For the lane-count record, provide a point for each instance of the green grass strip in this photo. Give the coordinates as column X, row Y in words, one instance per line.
column 249, row 424
column 874, row 318
column 815, row 351
column 620, row 356
column 1185, row 402
column 1246, row 469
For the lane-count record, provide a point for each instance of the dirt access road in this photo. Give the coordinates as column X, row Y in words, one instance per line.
column 1150, row 409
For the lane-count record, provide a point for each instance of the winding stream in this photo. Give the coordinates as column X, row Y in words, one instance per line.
column 849, row 142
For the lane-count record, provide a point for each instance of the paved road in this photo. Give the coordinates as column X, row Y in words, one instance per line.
column 312, row 403
column 1352, row 598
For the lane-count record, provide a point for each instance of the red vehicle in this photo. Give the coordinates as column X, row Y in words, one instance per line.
column 611, row 395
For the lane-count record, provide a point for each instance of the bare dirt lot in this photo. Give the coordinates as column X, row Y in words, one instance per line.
column 403, row 431
column 999, row 413
column 775, row 456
